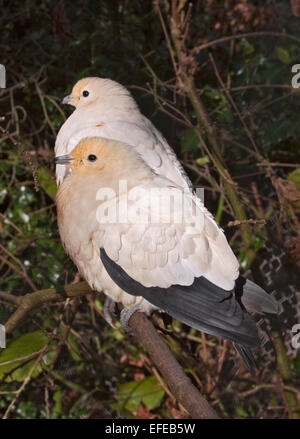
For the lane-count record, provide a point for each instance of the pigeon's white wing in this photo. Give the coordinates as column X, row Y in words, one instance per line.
column 172, row 158
column 143, row 137
column 186, row 269
column 167, row 247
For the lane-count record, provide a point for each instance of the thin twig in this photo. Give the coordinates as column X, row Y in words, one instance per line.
column 166, row 37
column 248, row 221
column 226, row 91
column 198, row 49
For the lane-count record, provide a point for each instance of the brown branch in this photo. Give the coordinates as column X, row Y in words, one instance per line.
column 180, row 385
column 14, row 300
column 33, row 300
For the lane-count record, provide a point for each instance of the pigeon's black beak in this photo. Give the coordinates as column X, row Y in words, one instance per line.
column 63, row 159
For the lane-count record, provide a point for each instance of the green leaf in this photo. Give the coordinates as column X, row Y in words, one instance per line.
column 153, row 393
column 46, row 181
column 148, row 391
column 203, row 160
column 129, row 395
column 20, row 347
column 283, row 55
column 117, row 334
column 75, row 351
column 240, row 412
column 296, row 365
column 295, row 177
column 189, row 140
column 247, row 47
column 258, row 242
column 243, row 260
column 213, row 93
column 57, row 398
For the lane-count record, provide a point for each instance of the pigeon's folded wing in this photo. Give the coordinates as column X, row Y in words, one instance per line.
column 168, row 238
column 184, row 268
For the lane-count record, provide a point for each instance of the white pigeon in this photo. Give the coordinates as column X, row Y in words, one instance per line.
column 104, row 108
column 150, row 244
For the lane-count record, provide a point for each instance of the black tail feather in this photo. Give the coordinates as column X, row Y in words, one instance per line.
column 254, row 298
column 247, row 357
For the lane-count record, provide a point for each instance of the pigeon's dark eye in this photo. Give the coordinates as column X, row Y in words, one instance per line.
column 92, row 158
column 85, row 93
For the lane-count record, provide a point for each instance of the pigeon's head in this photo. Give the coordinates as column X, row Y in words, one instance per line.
column 89, row 153
column 94, row 155
column 94, row 91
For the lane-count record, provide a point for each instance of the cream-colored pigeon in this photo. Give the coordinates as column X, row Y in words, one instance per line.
column 105, row 108
column 150, row 244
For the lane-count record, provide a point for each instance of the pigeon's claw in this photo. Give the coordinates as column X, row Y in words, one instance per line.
column 125, row 316
column 110, row 311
